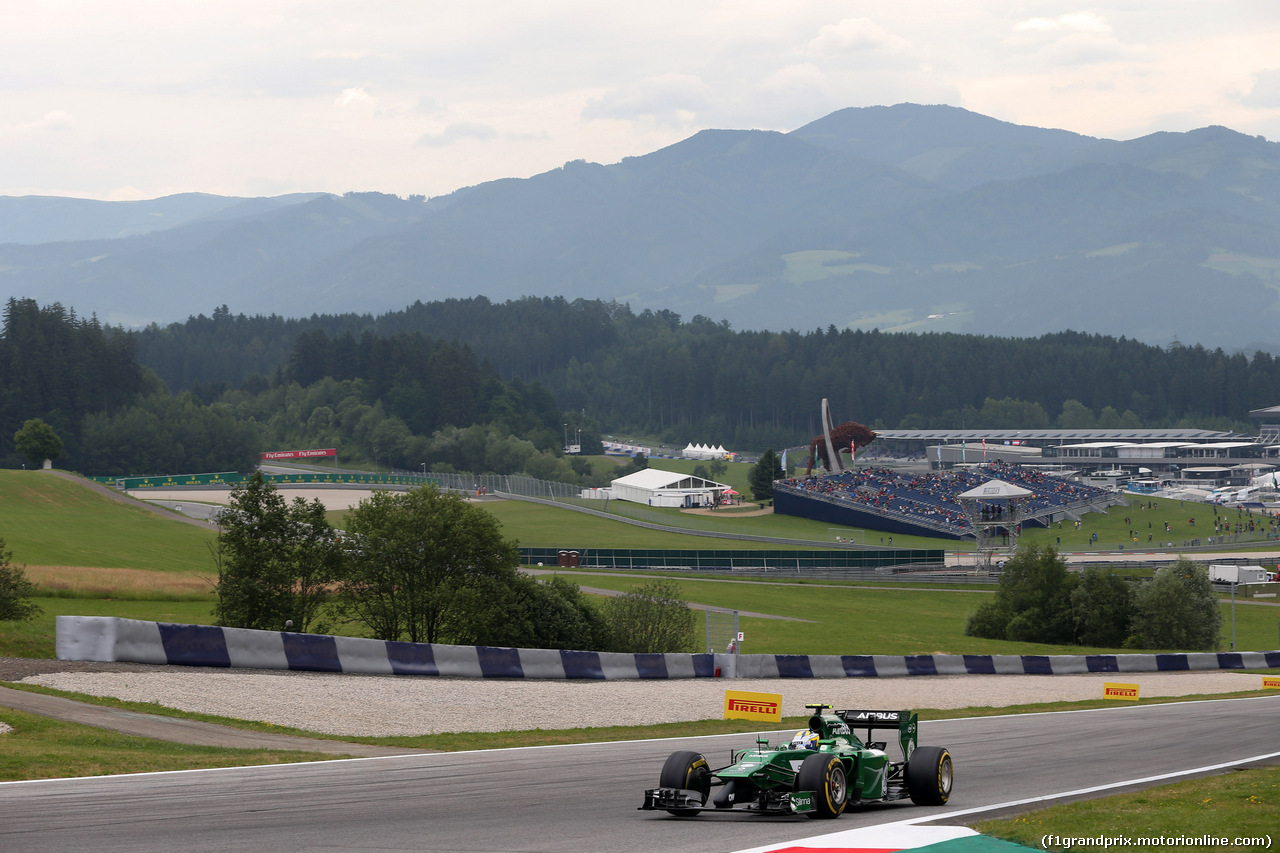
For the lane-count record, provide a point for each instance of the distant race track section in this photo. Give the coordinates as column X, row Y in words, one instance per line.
column 107, row 638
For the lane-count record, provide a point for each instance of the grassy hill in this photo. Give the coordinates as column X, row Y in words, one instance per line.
column 49, row 521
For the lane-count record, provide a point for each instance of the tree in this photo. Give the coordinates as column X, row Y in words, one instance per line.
column 1102, row 609
column 274, row 560
column 162, row 433
column 1177, row 610
column 421, row 559
column 1032, row 603
column 1076, row 415
column 763, row 473
column 37, row 441
column 520, row 611
column 15, row 590
column 652, row 618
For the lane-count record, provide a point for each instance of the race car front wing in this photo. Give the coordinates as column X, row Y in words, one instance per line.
column 774, row 802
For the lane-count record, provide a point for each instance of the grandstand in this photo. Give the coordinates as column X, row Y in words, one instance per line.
column 928, row 503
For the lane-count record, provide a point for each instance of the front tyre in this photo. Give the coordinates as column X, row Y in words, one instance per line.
column 824, row 774
column 929, row 776
column 687, row 771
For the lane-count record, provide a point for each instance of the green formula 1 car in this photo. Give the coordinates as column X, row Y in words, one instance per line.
column 820, row 773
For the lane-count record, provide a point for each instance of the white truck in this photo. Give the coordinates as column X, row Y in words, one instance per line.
column 1238, row 574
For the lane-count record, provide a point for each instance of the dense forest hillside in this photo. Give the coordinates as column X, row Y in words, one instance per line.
column 472, row 385
column 656, row 374
column 904, row 218
column 403, row 400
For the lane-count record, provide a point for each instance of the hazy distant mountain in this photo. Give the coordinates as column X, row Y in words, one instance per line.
column 51, row 219
column 904, row 217
column 240, row 260
column 950, row 146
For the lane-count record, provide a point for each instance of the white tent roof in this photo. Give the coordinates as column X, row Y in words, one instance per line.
column 995, row 490
column 652, row 478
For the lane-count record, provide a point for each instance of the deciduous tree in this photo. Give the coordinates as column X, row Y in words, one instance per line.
column 1102, row 609
column 37, row 442
column 1032, row 603
column 417, row 562
column 274, row 560
column 1177, row 610
column 652, row 618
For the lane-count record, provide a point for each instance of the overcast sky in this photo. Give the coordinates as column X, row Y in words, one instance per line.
column 129, row 99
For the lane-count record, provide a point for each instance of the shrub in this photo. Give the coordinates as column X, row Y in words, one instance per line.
column 1102, row 609
column 15, row 590
column 1032, row 603
column 1177, row 610
column 652, row 618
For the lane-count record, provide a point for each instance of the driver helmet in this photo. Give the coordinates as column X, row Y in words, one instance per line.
column 805, row 739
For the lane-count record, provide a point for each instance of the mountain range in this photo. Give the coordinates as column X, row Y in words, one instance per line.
column 906, row 217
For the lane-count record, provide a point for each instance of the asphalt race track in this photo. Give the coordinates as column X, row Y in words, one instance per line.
column 584, row 798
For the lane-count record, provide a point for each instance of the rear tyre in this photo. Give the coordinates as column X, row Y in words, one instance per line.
column 825, row 775
column 929, row 776
column 688, row 771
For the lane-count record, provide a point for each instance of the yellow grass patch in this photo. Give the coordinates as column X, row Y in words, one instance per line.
column 118, row 583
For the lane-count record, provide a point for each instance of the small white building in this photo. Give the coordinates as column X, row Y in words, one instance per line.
column 666, row 488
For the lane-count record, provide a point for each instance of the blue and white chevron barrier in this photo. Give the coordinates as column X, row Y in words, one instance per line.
column 889, row 666
column 106, row 638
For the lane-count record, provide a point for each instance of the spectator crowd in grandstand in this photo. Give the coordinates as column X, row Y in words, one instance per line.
column 933, row 498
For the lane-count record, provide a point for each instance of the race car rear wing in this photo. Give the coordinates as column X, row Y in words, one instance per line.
column 905, row 722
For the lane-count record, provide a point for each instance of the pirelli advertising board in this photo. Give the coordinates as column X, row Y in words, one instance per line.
column 740, row 705
column 1115, row 690
column 1270, row 683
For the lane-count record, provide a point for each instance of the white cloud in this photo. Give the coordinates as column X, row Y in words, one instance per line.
column 1265, row 91
column 354, row 95
column 249, row 96
column 456, row 133
column 672, row 98
column 856, row 34
column 804, row 76
column 1076, row 22
column 56, row 120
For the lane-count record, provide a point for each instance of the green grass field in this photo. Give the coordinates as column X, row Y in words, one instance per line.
column 48, row 521
column 856, row 619
column 1242, row 804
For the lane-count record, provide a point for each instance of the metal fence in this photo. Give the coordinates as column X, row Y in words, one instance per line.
column 871, row 562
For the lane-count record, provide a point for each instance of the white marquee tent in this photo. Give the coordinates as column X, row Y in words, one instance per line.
column 704, row 451
column 666, row 488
